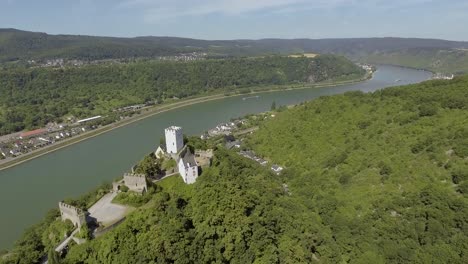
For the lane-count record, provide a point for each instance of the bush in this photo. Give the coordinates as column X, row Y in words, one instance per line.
column 124, row 188
column 134, row 199
column 427, row 110
column 463, row 188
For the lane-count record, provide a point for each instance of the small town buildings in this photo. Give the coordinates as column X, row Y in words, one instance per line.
column 3, row 152
column 188, row 167
column 231, row 142
column 33, row 133
column 174, row 139
column 15, row 152
column 88, row 119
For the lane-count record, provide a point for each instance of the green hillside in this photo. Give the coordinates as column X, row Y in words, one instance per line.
column 24, row 45
column 449, row 61
column 369, row 178
column 31, row 98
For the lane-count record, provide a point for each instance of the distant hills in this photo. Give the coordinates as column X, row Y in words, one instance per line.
column 24, row 45
column 434, row 59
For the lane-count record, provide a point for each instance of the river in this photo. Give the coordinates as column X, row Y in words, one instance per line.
column 28, row 190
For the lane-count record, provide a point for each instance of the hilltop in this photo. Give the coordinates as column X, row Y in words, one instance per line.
column 33, row 97
column 369, row 178
column 17, row 45
column 449, row 61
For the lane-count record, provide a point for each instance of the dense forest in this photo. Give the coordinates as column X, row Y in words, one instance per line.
column 369, row 178
column 31, row 98
column 450, row 61
column 24, row 45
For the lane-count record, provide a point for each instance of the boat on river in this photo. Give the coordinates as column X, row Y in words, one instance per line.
column 251, row 97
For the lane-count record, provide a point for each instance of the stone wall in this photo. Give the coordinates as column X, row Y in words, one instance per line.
column 72, row 213
column 135, row 182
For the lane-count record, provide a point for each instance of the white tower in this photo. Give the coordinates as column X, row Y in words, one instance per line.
column 174, row 139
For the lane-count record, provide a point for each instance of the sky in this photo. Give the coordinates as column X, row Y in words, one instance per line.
column 241, row 19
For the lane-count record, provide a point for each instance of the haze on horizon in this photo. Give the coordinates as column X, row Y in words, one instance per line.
column 241, row 19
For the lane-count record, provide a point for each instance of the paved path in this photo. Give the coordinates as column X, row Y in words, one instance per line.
column 106, row 212
column 62, row 245
column 165, row 176
column 245, row 131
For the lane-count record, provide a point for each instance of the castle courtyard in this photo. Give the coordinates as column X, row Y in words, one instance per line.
column 106, row 212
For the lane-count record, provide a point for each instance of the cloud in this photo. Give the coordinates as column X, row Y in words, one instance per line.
column 157, row 10
column 154, row 11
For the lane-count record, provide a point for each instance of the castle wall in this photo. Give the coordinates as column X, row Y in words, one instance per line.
column 136, row 182
column 74, row 214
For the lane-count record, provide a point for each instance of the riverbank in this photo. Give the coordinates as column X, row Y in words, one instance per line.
column 73, row 171
column 167, row 107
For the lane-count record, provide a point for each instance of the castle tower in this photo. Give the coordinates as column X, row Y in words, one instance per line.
column 74, row 214
column 174, row 139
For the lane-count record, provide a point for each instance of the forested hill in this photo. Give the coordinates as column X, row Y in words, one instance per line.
column 25, row 45
column 369, row 178
column 31, row 98
column 449, row 61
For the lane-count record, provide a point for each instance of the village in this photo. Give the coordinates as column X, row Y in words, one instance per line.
column 17, row 144
column 64, row 62
column 186, row 162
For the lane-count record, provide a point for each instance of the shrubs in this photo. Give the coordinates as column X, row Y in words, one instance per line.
column 427, row 110
column 134, row 199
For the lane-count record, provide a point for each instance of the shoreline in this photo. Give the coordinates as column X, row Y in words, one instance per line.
column 161, row 109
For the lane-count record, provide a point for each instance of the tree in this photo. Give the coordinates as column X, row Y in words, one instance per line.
column 273, row 106
column 150, row 166
column 53, row 257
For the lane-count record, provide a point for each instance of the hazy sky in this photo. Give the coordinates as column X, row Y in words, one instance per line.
column 234, row 19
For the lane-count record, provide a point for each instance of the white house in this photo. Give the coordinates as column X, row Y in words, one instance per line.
column 188, row 167
column 276, row 168
column 160, row 152
column 174, row 139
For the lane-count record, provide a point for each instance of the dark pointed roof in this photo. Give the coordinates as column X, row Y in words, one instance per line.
column 187, row 157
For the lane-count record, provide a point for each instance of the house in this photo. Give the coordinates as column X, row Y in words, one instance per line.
column 276, row 168
column 3, row 152
column 33, row 133
column 262, row 162
column 233, row 144
column 88, row 119
column 229, row 138
column 188, row 167
column 15, row 152
column 160, row 152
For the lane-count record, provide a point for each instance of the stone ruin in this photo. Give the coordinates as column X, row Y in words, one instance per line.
column 134, row 182
column 72, row 213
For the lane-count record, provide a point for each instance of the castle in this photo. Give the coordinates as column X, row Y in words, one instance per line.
column 134, row 182
column 174, row 139
column 72, row 213
column 186, row 163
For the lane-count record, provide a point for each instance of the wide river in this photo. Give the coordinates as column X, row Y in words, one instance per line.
column 28, row 190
